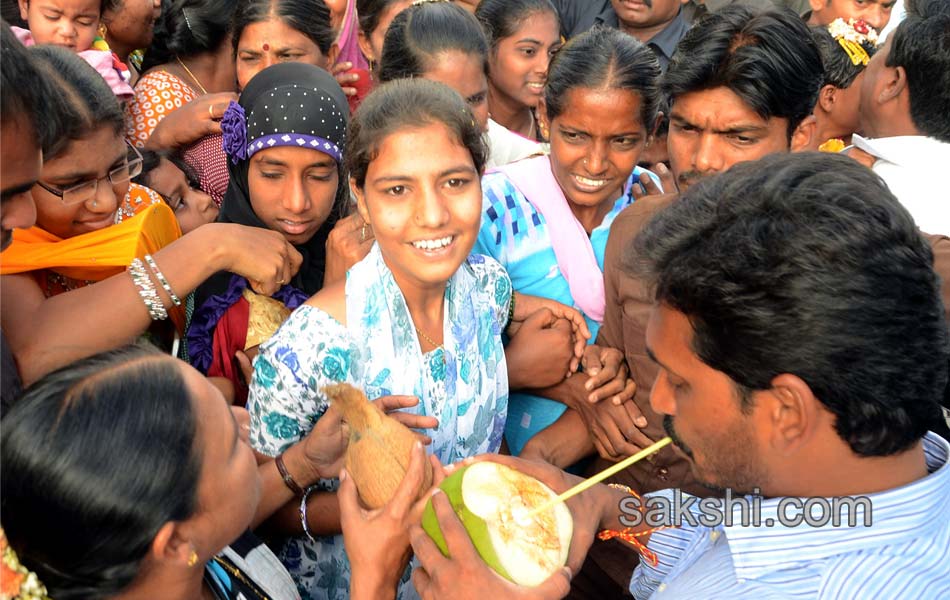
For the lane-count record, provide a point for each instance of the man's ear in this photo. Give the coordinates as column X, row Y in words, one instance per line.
column 817, row 5
column 332, row 54
column 827, row 97
column 803, row 134
column 794, row 412
column 895, row 83
column 24, row 8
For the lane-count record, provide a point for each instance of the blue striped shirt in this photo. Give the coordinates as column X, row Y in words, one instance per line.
column 905, row 553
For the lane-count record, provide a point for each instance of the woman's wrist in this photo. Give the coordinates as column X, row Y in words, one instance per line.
column 213, row 238
column 303, row 471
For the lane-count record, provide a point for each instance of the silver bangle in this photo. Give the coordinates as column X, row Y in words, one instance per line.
column 161, row 279
column 303, row 513
column 146, row 289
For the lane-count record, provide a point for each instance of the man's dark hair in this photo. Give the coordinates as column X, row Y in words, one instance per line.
column 806, row 264
column 766, row 57
column 921, row 45
column 27, row 95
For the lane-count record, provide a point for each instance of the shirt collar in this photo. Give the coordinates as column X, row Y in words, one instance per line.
column 667, row 39
column 607, row 17
column 904, row 150
column 899, row 515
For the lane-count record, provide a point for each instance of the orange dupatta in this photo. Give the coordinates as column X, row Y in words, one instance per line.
column 96, row 255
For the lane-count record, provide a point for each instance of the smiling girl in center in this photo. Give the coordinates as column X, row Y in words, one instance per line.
column 418, row 316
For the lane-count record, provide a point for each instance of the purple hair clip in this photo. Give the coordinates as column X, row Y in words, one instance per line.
column 234, row 130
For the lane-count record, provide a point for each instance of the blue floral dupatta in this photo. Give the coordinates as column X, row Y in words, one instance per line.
column 464, row 384
column 470, row 365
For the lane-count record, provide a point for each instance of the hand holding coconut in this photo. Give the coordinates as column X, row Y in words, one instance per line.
column 377, row 541
column 592, row 510
column 463, row 574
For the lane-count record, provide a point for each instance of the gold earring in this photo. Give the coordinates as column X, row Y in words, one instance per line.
column 192, row 558
column 102, row 30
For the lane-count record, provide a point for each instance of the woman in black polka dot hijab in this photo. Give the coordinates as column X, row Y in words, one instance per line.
column 285, row 142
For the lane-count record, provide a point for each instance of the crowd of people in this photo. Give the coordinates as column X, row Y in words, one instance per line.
column 545, row 233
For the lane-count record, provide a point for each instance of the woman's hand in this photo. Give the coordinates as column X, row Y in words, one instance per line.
column 348, row 243
column 339, row 71
column 325, row 445
column 464, row 574
column 540, row 354
column 525, row 306
column 194, row 120
column 391, row 405
column 377, row 541
column 264, row 257
column 648, row 187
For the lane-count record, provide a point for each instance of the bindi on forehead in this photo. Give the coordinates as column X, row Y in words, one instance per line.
column 265, row 47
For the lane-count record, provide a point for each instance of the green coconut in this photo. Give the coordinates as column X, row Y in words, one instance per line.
column 494, row 502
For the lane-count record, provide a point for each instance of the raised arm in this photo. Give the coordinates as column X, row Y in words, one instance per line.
column 46, row 333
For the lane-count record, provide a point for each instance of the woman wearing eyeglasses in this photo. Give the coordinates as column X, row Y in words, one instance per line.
column 84, row 186
column 92, row 223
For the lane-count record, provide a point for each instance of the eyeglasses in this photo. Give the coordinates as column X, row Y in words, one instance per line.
column 82, row 192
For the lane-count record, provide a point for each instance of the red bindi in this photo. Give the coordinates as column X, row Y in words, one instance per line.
column 266, row 47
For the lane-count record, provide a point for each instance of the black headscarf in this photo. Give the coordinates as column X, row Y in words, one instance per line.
column 288, row 104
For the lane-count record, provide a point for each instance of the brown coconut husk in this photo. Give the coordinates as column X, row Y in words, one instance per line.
column 380, row 447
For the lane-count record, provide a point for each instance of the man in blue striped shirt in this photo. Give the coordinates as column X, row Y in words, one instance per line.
column 803, row 352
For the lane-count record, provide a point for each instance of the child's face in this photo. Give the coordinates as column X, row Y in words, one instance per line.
column 68, row 23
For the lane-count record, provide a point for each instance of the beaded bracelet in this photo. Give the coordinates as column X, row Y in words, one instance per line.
column 511, row 309
column 303, row 513
column 141, row 279
column 161, row 279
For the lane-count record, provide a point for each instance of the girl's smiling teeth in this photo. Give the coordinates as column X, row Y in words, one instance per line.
column 436, row 244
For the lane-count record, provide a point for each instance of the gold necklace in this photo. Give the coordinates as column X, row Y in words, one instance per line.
column 427, row 338
column 192, row 75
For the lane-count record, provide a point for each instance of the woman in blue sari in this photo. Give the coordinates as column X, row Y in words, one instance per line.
column 546, row 219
